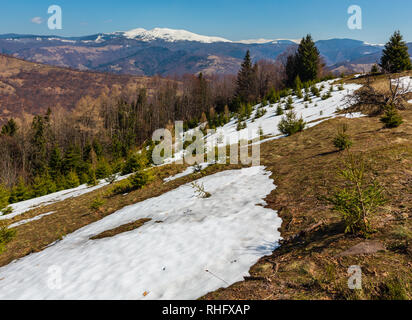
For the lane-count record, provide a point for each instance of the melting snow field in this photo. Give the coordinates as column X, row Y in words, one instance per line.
column 315, row 112
column 201, row 245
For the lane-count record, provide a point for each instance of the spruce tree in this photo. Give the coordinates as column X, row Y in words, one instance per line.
column 10, row 128
column 246, row 80
column 19, row 192
column 395, row 56
column 55, row 162
column 304, row 63
column 308, row 60
column 4, row 197
column 291, row 69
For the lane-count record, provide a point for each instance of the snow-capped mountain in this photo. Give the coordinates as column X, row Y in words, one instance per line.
column 167, row 51
column 170, row 35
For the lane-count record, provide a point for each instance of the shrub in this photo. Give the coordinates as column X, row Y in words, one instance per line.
column 6, row 235
column 260, row 131
column 103, row 169
column 359, row 199
column 112, row 178
column 260, row 113
column 135, row 162
column 200, row 190
column 97, row 203
column 72, row 180
column 391, row 118
column 19, row 192
column 342, row 140
column 121, row 187
column 139, row 179
column 315, row 91
column 394, row 288
column 91, row 180
column 6, row 211
column 279, row 110
column 326, row 96
column 290, row 124
column 241, row 125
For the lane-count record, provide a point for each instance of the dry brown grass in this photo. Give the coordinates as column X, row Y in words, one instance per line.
column 304, row 168
column 121, row 229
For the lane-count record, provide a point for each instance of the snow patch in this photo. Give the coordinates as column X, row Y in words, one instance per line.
column 14, row 225
column 200, row 246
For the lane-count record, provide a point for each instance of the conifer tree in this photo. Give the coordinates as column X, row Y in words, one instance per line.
column 19, row 192
column 72, row 180
column 10, row 128
column 38, row 152
column 308, row 59
column 305, row 63
column 4, row 197
column 55, row 162
column 395, row 56
column 246, row 80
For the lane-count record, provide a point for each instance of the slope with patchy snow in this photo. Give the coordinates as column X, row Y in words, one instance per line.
column 27, row 205
column 200, row 245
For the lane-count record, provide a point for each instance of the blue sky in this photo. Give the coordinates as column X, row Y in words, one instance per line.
column 231, row 19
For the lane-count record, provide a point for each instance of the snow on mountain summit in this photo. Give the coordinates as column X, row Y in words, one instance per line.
column 170, row 35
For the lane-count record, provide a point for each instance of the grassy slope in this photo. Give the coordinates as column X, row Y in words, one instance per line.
column 304, row 168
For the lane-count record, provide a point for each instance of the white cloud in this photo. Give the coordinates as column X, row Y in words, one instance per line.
column 37, row 20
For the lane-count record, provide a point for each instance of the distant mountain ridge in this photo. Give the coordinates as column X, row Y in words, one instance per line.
column 168, row 52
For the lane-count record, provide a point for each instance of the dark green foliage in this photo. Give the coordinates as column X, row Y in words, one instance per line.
column 298, row 87
column 97, row 203
column 19, row 192
column 4, row 197
column 72, row 180
column 135, row 162
column 342, row 140
column 10, row 128
column 290, row 124
column 246, row 90
column 375, row 69
column 6, row 235
column 241, row 125
column 279, row 110
column 391, row 117
column 41, row 186
column 394, row 288
column 395, row 57
column 103, row 169
column 136, row 181
column 92, row 180
column 72, row 160
column 38, row 152
column 315, row 91
column 140, row 179
column 55, row 163
column 359, row 199
column 305, row 63
column 326, row 96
